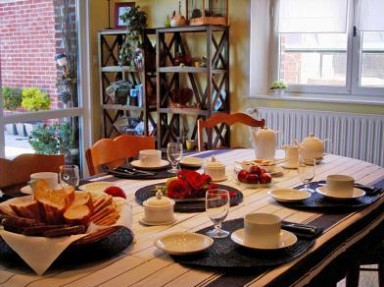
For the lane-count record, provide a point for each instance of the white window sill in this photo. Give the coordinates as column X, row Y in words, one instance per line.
column 325, row 98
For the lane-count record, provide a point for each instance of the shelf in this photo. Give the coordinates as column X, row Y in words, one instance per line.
column 188, row 69
column 117, row 69
column 122, row 108
column 184, row 111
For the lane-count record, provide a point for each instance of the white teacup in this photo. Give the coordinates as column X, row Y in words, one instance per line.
column 51, row 177
column 291, row 156
column 262, row 230
column 150, row 157
column 340, row 184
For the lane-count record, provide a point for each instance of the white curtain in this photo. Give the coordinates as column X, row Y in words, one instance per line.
column 313, row 16
column 371, row 15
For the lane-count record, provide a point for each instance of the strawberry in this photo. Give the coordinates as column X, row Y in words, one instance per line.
column 115, row 191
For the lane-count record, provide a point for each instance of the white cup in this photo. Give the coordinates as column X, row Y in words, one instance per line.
column 51, row 177
column 291, row 155
column 262, row 230
column 340, row 184
column 150, row 157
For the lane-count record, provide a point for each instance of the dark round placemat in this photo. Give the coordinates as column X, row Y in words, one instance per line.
column 224, row 253
column 322, row 203
column 76, row 255
column 146, row 192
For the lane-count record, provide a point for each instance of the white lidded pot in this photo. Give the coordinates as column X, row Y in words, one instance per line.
column 215, row 169
column 313, row 147
column 159, row 209
column 265, row 143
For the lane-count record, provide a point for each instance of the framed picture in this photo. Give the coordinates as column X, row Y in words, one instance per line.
column 120, row 9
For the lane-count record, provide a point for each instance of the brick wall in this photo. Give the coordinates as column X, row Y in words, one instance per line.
column 31, row 34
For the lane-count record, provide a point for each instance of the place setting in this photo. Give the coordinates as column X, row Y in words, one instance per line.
column 338, row 193
column 149, row 165
column 259, row 240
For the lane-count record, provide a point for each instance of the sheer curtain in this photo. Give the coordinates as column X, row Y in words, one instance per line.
column 313, row 16
column 370, row 15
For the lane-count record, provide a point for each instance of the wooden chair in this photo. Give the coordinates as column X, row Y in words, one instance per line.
column 219, row 125
column 16, row 173
column 111, row 153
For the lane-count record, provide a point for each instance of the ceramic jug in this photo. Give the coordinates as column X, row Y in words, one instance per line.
column 265, row 143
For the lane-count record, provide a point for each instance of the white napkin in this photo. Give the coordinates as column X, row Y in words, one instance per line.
column 40, row 252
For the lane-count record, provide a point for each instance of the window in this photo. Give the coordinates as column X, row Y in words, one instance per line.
column 324, row 46
column 41, row 103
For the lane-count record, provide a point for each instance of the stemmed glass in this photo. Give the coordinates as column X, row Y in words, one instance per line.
column 307, row 171
column 217, row 203
column 174, row 154
column 69, row 174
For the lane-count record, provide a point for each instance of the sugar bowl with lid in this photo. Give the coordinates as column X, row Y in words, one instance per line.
column 215, row 169
column 158, row 209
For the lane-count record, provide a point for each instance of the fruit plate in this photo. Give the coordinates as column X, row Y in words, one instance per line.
column 255, row 185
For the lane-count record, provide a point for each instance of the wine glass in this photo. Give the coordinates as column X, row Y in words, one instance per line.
column 69, row 174
column 174, row 154
column 217, row 206
column 307, row 171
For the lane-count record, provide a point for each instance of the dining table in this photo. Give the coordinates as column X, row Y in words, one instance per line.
column 342, row 230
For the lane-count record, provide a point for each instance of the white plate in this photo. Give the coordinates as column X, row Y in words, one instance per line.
column 192, row 161
column 26, row 189
column 277, row 171
column 139, row 164
column 97, row 186
column 289, row 166
column 289, row 194
column 145, row 222
column 287, row 239
column 183, row 243
column 357, row 193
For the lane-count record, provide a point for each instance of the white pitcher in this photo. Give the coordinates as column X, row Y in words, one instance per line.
column 265, row 143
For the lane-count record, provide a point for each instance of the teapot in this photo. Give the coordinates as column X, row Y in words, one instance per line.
column 312, row 146
column 265, row 143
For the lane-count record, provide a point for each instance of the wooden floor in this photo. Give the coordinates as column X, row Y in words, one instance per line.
column 367, row 279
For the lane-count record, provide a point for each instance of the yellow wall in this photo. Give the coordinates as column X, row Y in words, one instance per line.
column 239, row 59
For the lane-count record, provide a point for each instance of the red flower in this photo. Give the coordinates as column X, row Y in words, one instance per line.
column 189, row 184
column 178, row 189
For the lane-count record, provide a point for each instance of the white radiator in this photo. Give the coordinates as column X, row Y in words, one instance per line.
column 358, row 136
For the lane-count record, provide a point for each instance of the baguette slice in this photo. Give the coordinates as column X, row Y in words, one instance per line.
column 77, row 214
column 53, row 203
column 28, row 209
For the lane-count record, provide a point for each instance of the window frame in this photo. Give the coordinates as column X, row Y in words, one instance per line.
column 260, row 13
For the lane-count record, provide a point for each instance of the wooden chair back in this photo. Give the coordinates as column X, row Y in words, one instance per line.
column 115, row 152
column 218, row 127
column 17, row 171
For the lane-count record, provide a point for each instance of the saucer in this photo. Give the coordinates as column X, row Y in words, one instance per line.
column 96, row 187
column 192, row 161
column 287, row 239
column 149, row 223
column 289, row 166
column 26, row 189
column 357, row 193
column 183, row 243
column 139, row 164
column 289, row 194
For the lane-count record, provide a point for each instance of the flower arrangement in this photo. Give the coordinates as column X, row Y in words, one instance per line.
column 188, row 184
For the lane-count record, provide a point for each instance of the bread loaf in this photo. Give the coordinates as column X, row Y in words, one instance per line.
column 28, row 210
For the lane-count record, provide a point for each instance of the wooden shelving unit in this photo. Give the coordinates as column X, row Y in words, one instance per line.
column 209, row 82
column 110, row 42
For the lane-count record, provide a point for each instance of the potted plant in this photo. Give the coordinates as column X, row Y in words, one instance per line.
column 278, row 87
column 130, row 51
column 11, row 101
